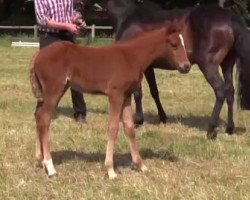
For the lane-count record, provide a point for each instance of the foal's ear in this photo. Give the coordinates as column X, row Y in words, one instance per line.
column 173, row 26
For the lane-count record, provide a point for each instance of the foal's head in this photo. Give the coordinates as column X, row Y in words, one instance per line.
column 177, row 55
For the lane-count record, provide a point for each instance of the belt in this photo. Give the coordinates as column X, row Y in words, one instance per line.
column 56, row 34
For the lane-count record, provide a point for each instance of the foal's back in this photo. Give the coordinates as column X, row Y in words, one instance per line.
column 96, row 69
column 83, row 67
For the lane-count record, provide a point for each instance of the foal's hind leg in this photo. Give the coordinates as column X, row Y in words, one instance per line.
column 227, row 70
column 39, row 153
column 43, row 116
column 150, row 77
column 130, row 133
column 213, row 77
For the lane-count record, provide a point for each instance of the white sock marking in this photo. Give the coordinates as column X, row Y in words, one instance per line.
column 49, row 166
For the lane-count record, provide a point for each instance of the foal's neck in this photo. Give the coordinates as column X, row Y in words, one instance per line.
column 144, row 50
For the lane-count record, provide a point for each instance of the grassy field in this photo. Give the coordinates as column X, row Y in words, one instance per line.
column 182, row 163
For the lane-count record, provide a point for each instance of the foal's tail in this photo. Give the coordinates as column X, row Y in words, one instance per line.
column 35, row 83
column 242, row 47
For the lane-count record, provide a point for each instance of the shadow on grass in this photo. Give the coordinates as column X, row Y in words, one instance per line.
column 65, row 111
column 121, row 160
column 199, row 122
column 68, row 111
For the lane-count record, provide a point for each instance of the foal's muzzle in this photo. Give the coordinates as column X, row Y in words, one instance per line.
column 184, row 68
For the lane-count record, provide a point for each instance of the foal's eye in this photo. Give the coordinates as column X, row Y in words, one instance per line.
column 174, row 46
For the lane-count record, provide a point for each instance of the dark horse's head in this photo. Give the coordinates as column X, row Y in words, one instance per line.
column 119, row 10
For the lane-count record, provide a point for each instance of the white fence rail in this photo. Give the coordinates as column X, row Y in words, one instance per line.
column 24, row 44
column 93, row 29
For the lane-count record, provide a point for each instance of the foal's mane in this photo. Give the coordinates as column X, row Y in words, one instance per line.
column 145, row 36
column 157, row 34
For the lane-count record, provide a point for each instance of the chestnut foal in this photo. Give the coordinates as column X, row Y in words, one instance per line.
column 115, row 71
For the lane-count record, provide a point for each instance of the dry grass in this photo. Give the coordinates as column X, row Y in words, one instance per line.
column 182, row 163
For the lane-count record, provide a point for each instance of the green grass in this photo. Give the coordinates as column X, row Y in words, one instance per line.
column 182, row 163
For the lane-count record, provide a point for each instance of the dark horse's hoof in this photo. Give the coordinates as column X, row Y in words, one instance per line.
column 138, row 120
column 163, row 119
column 230, row 130
column 212, row 135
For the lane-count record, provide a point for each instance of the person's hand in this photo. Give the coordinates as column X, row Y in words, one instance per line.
column 77, row 20
column 81, row 24
column 77, row 16
column 72, row 28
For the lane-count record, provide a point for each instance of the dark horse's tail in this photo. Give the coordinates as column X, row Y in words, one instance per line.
column 242, row 47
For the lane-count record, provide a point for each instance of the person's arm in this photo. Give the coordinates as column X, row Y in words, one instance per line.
column 41, row 12
column 42, row 18
column 77, row 19
column 62, row 26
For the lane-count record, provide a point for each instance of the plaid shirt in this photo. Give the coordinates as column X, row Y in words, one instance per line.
column 57, row 10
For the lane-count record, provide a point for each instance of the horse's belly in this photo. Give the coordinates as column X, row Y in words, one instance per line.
column 91, row 87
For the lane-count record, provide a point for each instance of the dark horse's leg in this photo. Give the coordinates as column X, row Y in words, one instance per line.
column 211, row 73
column 150, row 77
column 227, row 70
column 138, row 118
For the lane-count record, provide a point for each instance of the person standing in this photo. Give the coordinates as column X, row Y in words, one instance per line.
column 59, row 22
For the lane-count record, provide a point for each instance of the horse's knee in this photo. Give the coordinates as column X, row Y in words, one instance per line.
column 225, row 91
column 113, row 131
column 129, row 129
column 229, row 90
column 220, row 93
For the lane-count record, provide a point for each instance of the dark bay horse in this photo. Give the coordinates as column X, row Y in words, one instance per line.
column 213, row 37
column 115, row 71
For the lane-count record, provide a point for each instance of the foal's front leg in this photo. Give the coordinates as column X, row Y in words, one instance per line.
column 130, row 133
column 115, row 103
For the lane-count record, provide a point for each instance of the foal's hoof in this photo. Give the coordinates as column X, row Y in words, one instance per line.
column 51, row 174
column 112, row 175
column 212, row 135
column 137, row 167
column 49, row 168
column 143, row 168
column 38, row 164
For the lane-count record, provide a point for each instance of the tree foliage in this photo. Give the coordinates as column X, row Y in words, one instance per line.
column 13, row 11
column 241, row 7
